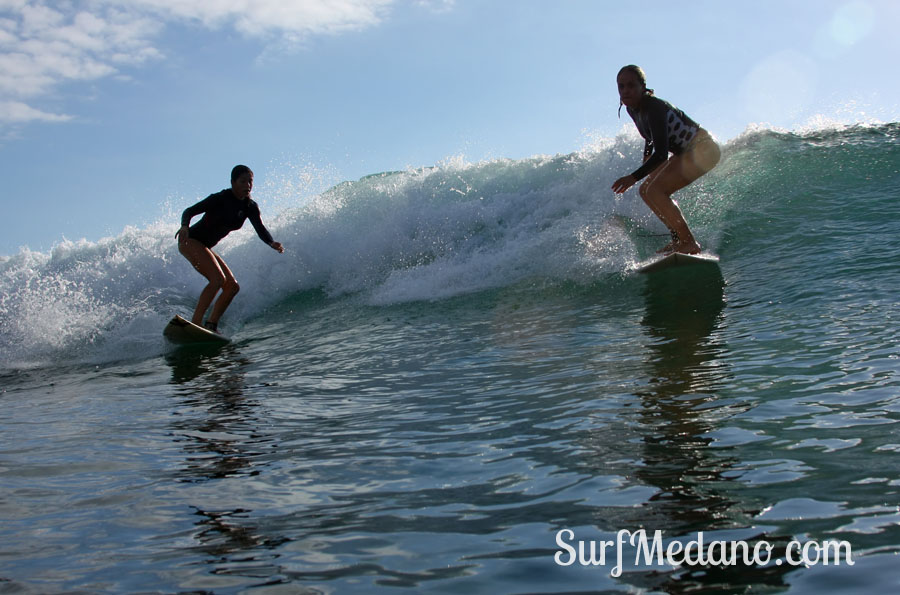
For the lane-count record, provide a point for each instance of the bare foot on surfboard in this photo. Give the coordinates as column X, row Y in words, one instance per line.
column 668, row 248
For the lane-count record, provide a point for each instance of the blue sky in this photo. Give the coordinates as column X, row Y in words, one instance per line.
column 115, row 112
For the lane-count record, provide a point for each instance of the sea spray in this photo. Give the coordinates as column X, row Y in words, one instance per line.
column 421, row 234
column 443, row 444
column 427, row 234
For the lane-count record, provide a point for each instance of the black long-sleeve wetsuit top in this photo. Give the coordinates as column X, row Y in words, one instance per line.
column 665, row 128
column 224, row 213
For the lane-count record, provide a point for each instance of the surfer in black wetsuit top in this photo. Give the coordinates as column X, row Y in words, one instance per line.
column 224, row 212
column 665, row 129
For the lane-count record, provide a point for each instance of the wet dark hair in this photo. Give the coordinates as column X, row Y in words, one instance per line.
column 638, row 72
column 238, row 171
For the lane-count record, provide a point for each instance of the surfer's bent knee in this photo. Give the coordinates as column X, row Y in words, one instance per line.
column 218, row 281
column 231, row 286
column 659, row 176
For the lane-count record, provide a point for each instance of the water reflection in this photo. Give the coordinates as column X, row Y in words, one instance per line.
column 686, row 371
column 222, row 534
column 220, row 427
column 218, row 424
column 191, row 361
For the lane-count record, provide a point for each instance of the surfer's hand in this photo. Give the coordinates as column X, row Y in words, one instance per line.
column 623, row 184
column 278, row 246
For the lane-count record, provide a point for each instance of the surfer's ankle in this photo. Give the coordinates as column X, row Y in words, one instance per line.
column 670, row 247
column 667, row 249
column 687, row 247
column 212, row 326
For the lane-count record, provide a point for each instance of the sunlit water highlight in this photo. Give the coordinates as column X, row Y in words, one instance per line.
column 450, row 365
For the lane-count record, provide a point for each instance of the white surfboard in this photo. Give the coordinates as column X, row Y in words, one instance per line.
column 677, row 259
column 183, row 331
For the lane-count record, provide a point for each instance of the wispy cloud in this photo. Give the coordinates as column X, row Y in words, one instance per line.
column 261, row 18
column 44, row 44
column 437, row 6
column 18, row 112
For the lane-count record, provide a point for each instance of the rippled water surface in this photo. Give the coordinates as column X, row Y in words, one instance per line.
column 348, row 443
column 442, row 446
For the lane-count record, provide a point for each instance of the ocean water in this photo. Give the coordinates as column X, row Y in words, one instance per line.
column 451, row 367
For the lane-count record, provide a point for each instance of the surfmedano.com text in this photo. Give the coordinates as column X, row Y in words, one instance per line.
column 646, row 552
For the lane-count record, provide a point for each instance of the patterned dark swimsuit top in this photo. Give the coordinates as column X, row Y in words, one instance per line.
column 665, row 128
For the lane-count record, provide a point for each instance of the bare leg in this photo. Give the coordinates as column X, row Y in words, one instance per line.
column 660, row 212
column 673, row 175
column 229, row 290
column 652, row 204
column 204, row 260
column 657, row 193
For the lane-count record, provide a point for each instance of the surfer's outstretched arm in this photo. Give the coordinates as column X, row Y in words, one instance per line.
column 263, row 233
column 623, row 184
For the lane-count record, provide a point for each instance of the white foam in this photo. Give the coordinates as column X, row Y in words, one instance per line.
column 422, row 234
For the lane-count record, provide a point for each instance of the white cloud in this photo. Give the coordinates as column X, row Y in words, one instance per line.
column 437, row 6
column 260, row 18
column 45, row 43
column 16, row 112
column 43, row 46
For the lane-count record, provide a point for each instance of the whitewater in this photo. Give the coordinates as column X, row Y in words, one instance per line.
column 424, row 234
column 450, row 365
